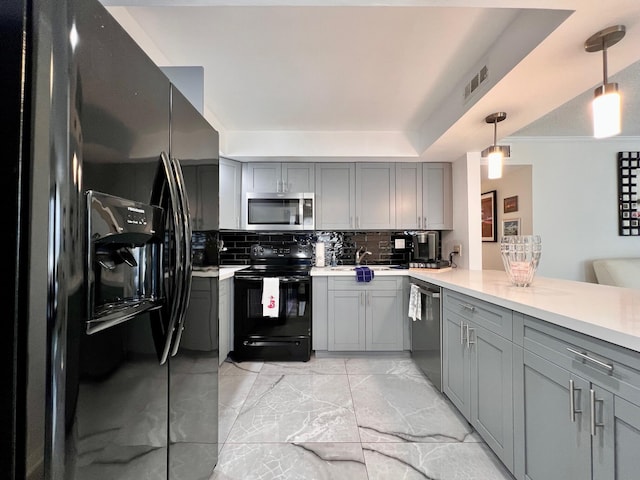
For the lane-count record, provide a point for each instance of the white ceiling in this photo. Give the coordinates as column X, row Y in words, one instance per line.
column 335, row 80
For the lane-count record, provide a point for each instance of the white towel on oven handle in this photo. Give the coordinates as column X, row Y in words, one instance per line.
column 415, row 303
column 270, row 296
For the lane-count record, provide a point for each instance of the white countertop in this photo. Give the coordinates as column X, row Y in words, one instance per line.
column 609, row 313
column 222, row 273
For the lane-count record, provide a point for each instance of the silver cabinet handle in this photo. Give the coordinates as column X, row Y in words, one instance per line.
column 584, row 356
column 461, row 333
column 361, row 298
column 572, row 401
column 424, row 224
column 469, row 332
column 466, row 306
column 368, row 296
column 592, row 404
column 419, row 224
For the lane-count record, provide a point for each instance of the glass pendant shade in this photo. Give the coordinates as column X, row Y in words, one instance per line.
column 606, row 114
column 495, row 165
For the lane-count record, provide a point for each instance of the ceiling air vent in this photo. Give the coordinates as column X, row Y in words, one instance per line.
column 475, row 82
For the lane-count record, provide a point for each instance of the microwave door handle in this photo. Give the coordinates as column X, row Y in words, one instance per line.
column 169, row 183
column 187, row 260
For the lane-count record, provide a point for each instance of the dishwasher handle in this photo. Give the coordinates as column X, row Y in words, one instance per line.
column 428, row 293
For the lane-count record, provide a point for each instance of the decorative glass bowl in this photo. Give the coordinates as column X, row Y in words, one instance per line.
column 521, row 255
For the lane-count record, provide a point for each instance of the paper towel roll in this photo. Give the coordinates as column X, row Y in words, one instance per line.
column 320, row 254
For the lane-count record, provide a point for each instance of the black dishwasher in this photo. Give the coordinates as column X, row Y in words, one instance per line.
column 426, row 338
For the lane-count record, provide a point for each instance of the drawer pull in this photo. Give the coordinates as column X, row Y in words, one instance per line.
column 584, row 356
column 471, row 308
column 572, row 401
column 462, row 332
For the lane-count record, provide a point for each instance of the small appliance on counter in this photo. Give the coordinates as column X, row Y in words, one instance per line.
column 426, row 251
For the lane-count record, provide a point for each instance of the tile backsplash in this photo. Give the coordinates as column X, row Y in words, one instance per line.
column 344, row 244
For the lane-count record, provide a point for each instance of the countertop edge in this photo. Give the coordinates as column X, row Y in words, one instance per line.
column 555, row 301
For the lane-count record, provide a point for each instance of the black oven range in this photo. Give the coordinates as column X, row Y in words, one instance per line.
column 272, row 318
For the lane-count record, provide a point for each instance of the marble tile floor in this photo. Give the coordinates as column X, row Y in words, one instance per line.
column 373, row 418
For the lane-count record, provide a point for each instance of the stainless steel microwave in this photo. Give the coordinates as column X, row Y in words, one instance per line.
column 278, row 211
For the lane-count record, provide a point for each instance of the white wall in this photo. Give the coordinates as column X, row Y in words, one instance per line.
column 575, row 201
column 466, row 226
column 516, row 180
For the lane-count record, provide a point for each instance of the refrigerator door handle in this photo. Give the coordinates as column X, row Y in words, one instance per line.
column 178, row 224
column 183, row 302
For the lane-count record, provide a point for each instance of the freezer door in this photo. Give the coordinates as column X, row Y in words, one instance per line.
column 193, row 364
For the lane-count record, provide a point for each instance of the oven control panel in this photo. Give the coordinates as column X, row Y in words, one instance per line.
column 293, row 251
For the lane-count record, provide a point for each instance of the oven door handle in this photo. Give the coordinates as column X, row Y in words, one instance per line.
column 259, row 278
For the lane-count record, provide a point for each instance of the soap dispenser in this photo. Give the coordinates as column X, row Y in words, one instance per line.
column 334, row 262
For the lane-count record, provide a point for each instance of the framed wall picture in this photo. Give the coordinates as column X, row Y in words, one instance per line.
column 510, row 226
column 488, row 209
column 511, row 204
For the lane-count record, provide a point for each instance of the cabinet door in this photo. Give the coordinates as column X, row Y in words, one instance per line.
column 190, row 175
column 208, row 197
column 384, row 320
column 200, row 331
column 230, row 193
column 615, row 444
column 375, row 196
column 491, row 375
column 261, row 177
column 437, row 200
column 455, row 362
column 224, row 320
column 347, row 320
column 335, row 196
column 298, row 177
column 409, row 196
column 555, row 446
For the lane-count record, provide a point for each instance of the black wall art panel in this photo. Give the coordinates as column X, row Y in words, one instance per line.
column 628, row 200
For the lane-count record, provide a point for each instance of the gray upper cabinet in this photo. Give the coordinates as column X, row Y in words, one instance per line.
column 335, row 196
column 230, row 193
column 375, row 196
column 202, row 193
column 263, row 177
column 437, row 197
column 409, row 196
column 424, row 196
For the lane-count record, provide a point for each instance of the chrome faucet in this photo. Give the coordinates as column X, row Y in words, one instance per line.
column 362, row 251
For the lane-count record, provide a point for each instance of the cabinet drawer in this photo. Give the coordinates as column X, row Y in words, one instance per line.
column 378, row 283
column 494, row 318
column 553, row 343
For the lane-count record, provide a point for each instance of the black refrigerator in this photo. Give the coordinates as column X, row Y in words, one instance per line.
column 105, row 382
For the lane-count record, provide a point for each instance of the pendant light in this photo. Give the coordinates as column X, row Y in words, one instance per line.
column 495, row 154
column 606, row 104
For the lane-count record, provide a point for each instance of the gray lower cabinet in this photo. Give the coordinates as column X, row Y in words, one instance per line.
column 477, row 378
column 580, row 407
column 225, row 314
column 203, row 303
column 365, row 316
column 477, row 368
